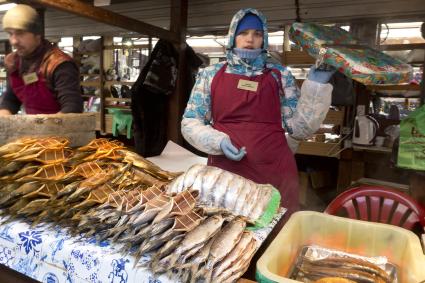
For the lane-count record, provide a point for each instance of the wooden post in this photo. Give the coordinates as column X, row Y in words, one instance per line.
column 286, row 40
column 102, row 91
column 286, row 44
column 422, row 95
column 178, row 25
column 150, row 46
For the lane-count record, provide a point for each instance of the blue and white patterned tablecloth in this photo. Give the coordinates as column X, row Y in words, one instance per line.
column 51, row 255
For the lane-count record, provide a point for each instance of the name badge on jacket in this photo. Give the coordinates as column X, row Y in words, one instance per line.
column 30, row 78
column 247, row 85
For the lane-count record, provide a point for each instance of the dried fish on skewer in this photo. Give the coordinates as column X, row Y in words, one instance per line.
column 181, row 224
column 33, row 207
column 10, row 167
column 84, row 170
column 96, row 143
column 68, row 189
column 50, row 172
column 237, row 252
column 146, row 165
column 27, row 169
column 45, row 190
column 180, row 205
column 16, row 145
column 166, row 250
column 122, row 206
column 96, row 180
column 236, row 270
column 106, row 151
column 15, row 190
column 48, row 156
column 151, row 209
column 128, row 204
column 145, row 178
column 8, row 193
column 195, row 238
column 229, row 236
column 87, row 185
column 39, row 145
column 221, row 189
column 191, row 268
column 97, row 196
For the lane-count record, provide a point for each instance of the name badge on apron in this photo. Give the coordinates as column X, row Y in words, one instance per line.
column 30, row 78
column 247, row 85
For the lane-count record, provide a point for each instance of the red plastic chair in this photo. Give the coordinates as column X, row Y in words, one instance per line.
column 379, row 204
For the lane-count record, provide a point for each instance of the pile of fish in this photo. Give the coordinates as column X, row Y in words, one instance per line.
column 355, row 270
column 43, row 179
column 106, row 191
column 221, row 189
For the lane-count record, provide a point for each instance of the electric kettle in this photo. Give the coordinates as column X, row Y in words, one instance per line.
column 365, row 129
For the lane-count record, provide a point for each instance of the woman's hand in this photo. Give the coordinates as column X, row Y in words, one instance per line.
column 321, row 74
column 230, row 151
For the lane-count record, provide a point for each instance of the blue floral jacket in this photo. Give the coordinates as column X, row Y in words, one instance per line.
column 302, row 111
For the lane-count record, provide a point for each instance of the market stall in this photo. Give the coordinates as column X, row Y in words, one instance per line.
column 100, row 212
column 91, row 210
column 51, row 254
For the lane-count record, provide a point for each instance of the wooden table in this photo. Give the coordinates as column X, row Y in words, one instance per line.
column 10, row 275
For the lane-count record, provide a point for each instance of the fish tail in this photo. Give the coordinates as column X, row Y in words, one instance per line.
column 137, row 256
column 193, row 271
column 38, row 219
column 205, row 273
column 118, row 234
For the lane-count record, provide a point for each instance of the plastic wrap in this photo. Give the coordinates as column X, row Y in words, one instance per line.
column 316, row 253
column 336, row 47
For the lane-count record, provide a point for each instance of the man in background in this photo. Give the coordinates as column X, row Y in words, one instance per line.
column 41, row 78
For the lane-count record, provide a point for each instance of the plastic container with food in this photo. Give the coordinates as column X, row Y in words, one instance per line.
column 401, row 247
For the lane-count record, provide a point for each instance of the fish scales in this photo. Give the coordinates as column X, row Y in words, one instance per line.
column 265, row 193
column 196, row 237
column 235, row 186
column 243, row 196
column 210, row 177
column 236, row 252
column 227, row 239
column 240, row 265
column 190, row 175
column 251, row 202
column 221, row 187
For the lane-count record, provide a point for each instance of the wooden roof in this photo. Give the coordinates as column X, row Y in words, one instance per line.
column 213, row 16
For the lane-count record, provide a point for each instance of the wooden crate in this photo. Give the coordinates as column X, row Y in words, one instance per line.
column 78, row 128
column 334, row 117
column 297, row 58
column 108, row 123
column 319, row 148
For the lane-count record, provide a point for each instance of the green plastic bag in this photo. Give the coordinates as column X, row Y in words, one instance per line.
column 411, row 151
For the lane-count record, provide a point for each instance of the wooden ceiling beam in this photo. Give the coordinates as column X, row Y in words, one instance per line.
column 105, row 16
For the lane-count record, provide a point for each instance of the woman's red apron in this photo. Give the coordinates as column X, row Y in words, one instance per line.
column 253, row 119
column 35, row 97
